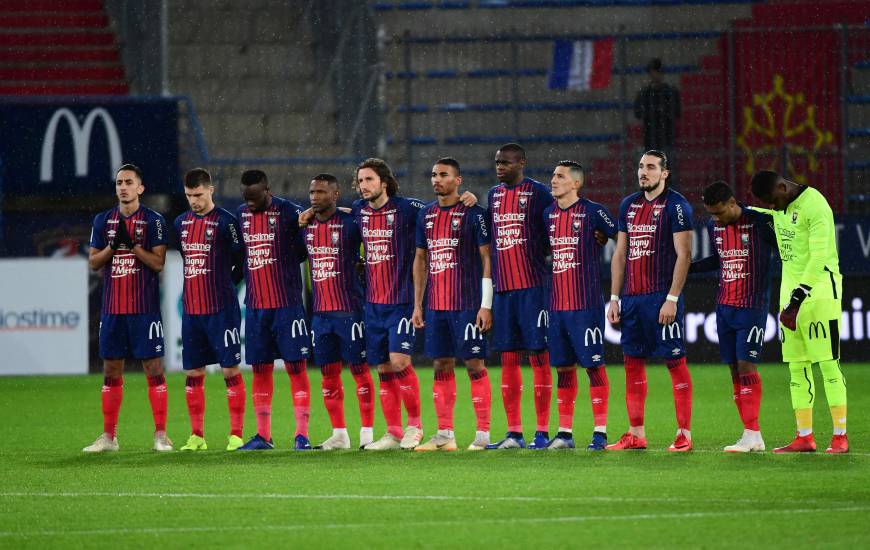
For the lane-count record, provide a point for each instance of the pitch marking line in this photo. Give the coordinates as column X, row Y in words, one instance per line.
column 442, row 523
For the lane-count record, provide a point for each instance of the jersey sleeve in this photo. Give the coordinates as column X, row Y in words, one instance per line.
column 822, row 231
column 420, row 230
column 234, row 233
column 480, row 225
column 711, row 262
column 158, row 233
column 602, row 221
column 177, row 226
column 98, row 232
column 680, row 215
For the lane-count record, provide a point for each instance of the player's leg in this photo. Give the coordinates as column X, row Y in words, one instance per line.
column 471, row 346
column 506, row 340
column 635, row 349
column 260, row 353
column 222, row 330
column 146, row 343
column 293, row 342
column 402, row 338
column 802, row 386
column 114, row 347
column 747, row 327
column 353, row 350
column 563, row 358
column 587, row 330
column 533, row 319
column 196, row 353
column 377, row 353
column 328, row 357
column 669, row 345
column 444, row 396
column 823, row 348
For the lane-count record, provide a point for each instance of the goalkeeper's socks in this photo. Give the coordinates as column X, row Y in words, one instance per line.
column 236, row 398
column 409, row 385
column 333, row 394
column 566, row 395
column 262, row 389
column 835, row 392
column 635, row 389
column 542, row 377
column 512, row 389
column 681, row 382
column 750, row 400
column 599, row 394
column 365, row 393
column 157, row 398
column 112, row 395
column 804, row 419
column 194, row 393
column 444, row 395
column 838, row 415
column 391, row 403
column 301, row 389
column 481, row 398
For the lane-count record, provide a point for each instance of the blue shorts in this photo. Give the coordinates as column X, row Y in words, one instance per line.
column 280, row 333
column 139, row 336
column 519, row 319
column 741, row 333
column 643, row 335
column 454, row 334
column 338, row 337
column 577, row 337
column 211, row 338
column 388, row 330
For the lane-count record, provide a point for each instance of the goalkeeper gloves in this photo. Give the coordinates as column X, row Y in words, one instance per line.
column 788, row 316
column 122, row 236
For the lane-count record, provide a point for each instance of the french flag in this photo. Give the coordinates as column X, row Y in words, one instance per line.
column 581, row 64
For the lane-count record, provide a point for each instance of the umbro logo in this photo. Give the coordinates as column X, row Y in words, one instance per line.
column 475, row 349
column 158, row 348
column 753, row 354
column 676, row 351
column 303, row 351
column 596, row 357
column 406, row 345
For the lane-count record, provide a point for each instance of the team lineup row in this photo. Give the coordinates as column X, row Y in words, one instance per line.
column 526, row 270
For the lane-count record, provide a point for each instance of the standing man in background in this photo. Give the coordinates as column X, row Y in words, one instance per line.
column 129, row 241
column 657, row 106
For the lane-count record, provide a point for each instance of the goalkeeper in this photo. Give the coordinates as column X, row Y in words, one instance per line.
column 811, row 300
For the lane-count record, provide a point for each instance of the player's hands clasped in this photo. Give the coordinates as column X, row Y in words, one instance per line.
column 122, row 236
column 613, row 312
column 484, row 319
column 668, row 312
column 417, row 317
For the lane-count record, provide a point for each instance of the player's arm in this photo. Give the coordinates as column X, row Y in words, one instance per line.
column 484, row 315
column 710, row 263
column 683, row 247
column 605, row 228
column 617, row 276
column 100, row 252
column 154, row 259
column 421, row 275
column 99, row 258
column 237, row 251
column 468, row 198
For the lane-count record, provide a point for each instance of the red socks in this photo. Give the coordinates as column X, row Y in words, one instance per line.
column 391, row 402
column 236, row 398
column 481, row 398
column 682, row 384
column 410, row 387
column 566, row 395
column 599, row 392
column 333, row 393
column 301, row 390
column 749, row 400
column 543, row 380
column 113, row 394
column 635, row 389
column 194, row 392
column 262, row 389
column 157, row 397
column 512, row 389
column 444, row 394
column 365, row 393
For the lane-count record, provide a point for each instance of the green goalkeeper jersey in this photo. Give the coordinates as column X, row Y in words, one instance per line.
column 807, row 241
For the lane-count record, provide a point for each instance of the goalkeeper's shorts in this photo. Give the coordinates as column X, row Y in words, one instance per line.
column 817, row 337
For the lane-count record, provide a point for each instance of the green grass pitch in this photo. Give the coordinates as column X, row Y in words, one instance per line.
column 53, row 495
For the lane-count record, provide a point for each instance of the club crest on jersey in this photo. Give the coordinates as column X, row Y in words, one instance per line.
column 576, row 224
column 794, row 217
column 390, row 219
column 744, row 238
column 335, row 237
column 454, row 223
column 272, row 221
column 209, row 233
column 523, row 202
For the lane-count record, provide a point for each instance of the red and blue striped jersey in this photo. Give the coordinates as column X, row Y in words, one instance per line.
column 272, row 254
column 333, row 256
column 129, row 286
column 452, row 236
column 388, row 238
column 743, row 250
column 208, row 244
column 650, row 228
column 576, row 254
column 519, row 234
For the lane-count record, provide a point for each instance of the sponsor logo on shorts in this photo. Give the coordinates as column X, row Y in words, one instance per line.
column 298, row 327
column 672, row 329
column 231, row 336
column 405, row 326
column 593, row 334
column 755, row 334
column 472, row 330
column 155, row 330
column 356, row 331
column 543, row 318
column 817, row 330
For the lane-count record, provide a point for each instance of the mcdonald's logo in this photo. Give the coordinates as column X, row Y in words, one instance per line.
column 543, row 318
column 81, row 140
column 672, row 329
column 155, row 330
column 815, row 328
column 298, row 327
column 473, row 330
column 356, row 331
column 405, row 326
column 757, row 334
column 594, row 334
column 231, row 336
